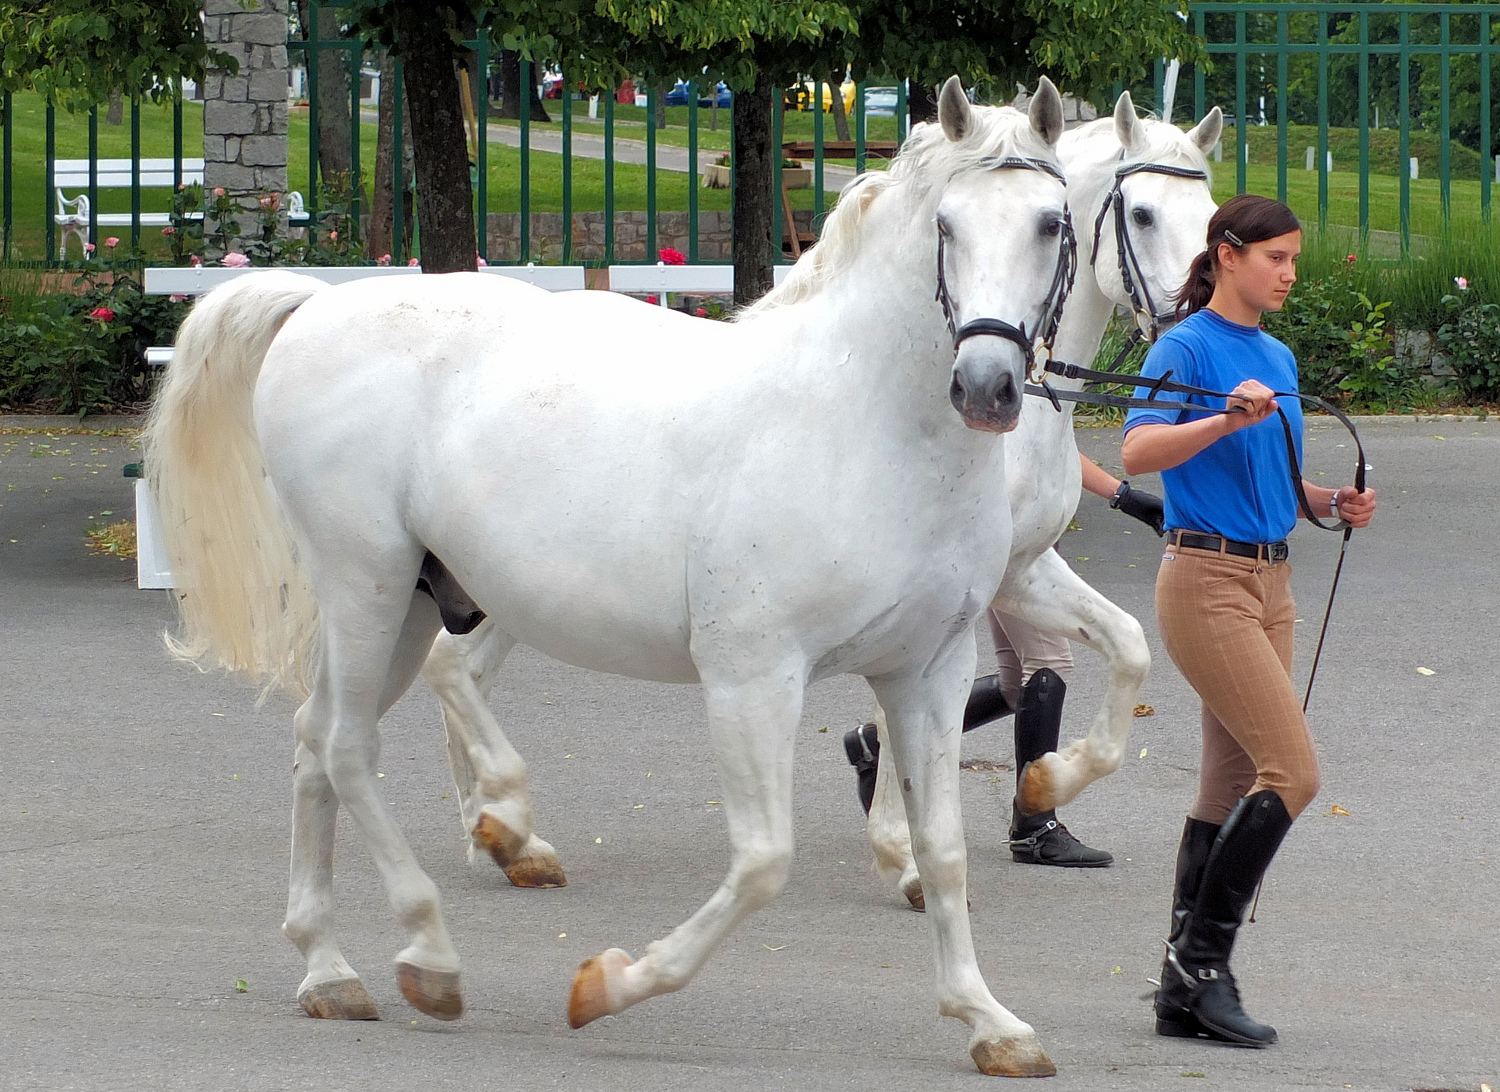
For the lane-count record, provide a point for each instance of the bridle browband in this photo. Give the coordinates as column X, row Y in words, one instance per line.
column 1131, row 273
column 1057, row 292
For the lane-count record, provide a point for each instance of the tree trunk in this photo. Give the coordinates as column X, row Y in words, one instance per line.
column 921, row 103
column 333, row 98
column 753, row 199
column 116, row 112
column 511, row 90
column 446, row 211
column 382, row 232
column 840, row 115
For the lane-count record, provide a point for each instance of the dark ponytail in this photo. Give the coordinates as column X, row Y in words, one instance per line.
column 1240, row 221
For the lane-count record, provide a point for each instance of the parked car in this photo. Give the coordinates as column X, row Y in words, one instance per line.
column 805, row 100
column 678, row 96
column 880, row 101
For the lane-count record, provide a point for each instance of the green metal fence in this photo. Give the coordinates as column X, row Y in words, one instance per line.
column 1326, row 74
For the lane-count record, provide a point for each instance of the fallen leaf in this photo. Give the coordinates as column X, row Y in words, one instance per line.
column 716, row 801
column 1425, row 671
column 446, row 795
column 598, row 841
column 380, row 775
column 1436, row 437
column 768, row 948
column 1336, row 812
column 824, row 728
column 562, row 936
column 1117, row 970
column 1143, row 752
column 1144, row 710
column 216, row 714
column 236, row 777
column 638, row 807
column 241, row 986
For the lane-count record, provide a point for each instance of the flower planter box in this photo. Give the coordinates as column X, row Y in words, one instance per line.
column 796, row 178
column 716, row 177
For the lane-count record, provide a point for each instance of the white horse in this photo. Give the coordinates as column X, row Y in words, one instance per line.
column 1166, row 217
column 812, row 505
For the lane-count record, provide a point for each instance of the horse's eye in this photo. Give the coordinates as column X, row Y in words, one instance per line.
column 1052, row 227
column 1142, row 217
column 943, row 229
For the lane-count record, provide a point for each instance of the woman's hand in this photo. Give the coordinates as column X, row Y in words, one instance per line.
column 1355, row 507
column 1255, row 399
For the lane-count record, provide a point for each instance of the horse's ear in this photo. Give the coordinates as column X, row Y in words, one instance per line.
column 1046, row 111
column 1207, row 132
column 954, row 112
column 1128, row 127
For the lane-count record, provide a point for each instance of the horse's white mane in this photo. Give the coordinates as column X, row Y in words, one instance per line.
column 927, row 159
column 1165, row 143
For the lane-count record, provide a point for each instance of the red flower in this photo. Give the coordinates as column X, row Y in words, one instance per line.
column 669, row 256
column 1352, row 258
column 102, row 314
column 702, row 312
column 169, row 231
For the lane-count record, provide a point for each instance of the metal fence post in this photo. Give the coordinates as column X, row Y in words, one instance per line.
column 527, row 90
column 1322, row 120
column 49, row 225
column 398, row 167
column 93, row 173
column 7, row 197
column 1364, row 130
column 609, row 179
column 818, row 198
column 1281, row 105
column 778, row 200
column 311, row 51
column 482, row 123
column 1444, row 74
column 693, row 172
column 1402, row 170
column 859, row 128
column 652, row 250
column 567, row 171
column 1485, row 150
column 135, row 173
column 1240, row 136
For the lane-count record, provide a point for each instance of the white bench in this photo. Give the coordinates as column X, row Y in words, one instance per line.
column 115, row 174
column 660, row 279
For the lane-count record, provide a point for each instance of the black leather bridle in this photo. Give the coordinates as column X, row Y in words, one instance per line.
column 1057, row 292
column 1131, row 273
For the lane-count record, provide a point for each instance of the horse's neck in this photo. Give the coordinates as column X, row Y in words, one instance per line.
column 1084, row 320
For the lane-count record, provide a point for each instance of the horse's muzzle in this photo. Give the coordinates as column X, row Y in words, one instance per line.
column 986, row 391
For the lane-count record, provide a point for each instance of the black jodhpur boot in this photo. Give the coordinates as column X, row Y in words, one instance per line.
column 1174, row 1017
column 1040, row 838
column 1239, row 858
column 862, row 745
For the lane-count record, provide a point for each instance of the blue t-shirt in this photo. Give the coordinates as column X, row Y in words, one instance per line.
column 1240, row 485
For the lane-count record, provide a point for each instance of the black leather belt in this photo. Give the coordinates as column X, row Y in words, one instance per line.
column 1270, row 551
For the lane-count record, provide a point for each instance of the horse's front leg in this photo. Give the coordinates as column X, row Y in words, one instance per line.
column 494, row 797
column 924, row 712
column 752, row 724
column 1054, row 598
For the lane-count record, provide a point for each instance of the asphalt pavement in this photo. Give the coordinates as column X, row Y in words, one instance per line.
column 145, row 829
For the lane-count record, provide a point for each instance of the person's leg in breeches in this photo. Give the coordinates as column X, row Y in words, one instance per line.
column 1232, row 642
column 1047, row 662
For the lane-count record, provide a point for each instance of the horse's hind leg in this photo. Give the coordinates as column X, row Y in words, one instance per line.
column 886, row 827
column 752, row 724
column 1054, row 598
column 494, row 798
column 924, row 714
column 332, row 989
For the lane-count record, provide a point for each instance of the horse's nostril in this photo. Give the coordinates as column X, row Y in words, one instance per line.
column 956, row 392
column 1005, row 390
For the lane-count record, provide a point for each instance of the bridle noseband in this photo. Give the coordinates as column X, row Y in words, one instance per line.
column 1131, row 273
column 1057, row 293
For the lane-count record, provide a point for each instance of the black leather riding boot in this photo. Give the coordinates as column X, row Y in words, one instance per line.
column 1041, row 839
column 1240, row 856
column 862, row 746
column 987, row 702
column 1173, row 1015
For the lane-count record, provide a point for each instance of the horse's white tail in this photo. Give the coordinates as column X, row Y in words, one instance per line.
column 244, row 602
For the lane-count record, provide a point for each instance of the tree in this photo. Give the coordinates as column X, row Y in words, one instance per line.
column 76, row 52
column 513, row 94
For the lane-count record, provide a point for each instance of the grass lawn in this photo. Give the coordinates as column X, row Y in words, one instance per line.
column 32, row 205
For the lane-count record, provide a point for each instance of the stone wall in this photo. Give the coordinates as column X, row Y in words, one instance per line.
column 244, row 115
column 714, row 236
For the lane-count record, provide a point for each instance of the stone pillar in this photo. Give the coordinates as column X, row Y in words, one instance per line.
column 244, row 115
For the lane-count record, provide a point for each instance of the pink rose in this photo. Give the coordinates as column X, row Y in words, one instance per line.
column 669, row 256
column 481, row 263
column 111, row 242
column 88, row 248
column 1352, row 258
column 702, row 312
column 270, row 201
column 234, row 261
column 414, row 263
column 169, row 231
column 102, row 314
column 218, row 191
column 384, row 259
column 176, row 297
column 333, row 236
column 196, row 260
column 1462, row 282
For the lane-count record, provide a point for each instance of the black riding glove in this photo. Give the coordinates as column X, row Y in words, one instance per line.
column 1146, row 507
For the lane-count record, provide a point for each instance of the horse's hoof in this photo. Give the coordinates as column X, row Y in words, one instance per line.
column 590, row 998
column 912, row 889
column 535, row 866
column 499, row 838
column 339, row 999
column 434, row 992
column 1037, row 791
column 1012, row 1059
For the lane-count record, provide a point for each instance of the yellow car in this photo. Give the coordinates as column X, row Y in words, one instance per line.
column 846, row 91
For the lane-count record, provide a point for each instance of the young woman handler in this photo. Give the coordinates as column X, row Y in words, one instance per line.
column 1223, row 597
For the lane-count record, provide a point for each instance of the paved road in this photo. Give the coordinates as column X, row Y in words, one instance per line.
column 669, row 157
column 143, row 848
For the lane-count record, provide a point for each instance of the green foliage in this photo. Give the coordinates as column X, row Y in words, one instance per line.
column 84, row 350
column 1471, row 338
column 76, row 52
